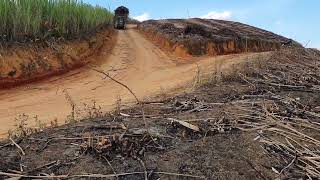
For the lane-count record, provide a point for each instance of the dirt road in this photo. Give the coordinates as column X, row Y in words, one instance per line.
column 134, row 61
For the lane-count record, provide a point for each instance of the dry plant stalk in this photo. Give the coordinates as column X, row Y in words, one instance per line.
column 19, row 147
column 287, row 128
column 99, row 175
column 140, row 103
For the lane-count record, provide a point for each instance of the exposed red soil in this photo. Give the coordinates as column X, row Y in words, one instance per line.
column 134, row 61
column 197, row 37
column 23, row 64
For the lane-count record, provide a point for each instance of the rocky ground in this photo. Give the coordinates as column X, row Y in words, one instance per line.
column 257, row 121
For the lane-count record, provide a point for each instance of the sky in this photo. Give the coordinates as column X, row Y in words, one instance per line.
column 295, row 19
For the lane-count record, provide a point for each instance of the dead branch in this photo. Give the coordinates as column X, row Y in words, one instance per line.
column 98, row 175
column 186, row 124
column 140, row 103
column 115, row 173
column 288, row 166
column 43, row 166
column 144, row 167
column 261, row 175
column 120, row 83
column 17, row 145
column 35, row 177
column 5, row 145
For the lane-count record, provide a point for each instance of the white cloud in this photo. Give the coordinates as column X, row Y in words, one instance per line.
column 278, row 22
column 142, row 17
column 218, row 15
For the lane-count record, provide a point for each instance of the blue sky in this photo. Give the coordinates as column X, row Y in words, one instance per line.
column 296, row 19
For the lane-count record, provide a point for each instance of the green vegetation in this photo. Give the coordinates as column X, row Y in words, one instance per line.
column 21, row 20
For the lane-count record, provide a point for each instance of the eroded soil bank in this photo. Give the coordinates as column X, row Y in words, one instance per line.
column 26, row 63
column 197, row 37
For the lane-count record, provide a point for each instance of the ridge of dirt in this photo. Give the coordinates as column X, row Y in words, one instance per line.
column 259, row 120
column 198, row 37
column 24, row 64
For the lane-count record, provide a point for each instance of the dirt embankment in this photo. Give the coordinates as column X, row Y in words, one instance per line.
column 21, row 63
column 197, row 37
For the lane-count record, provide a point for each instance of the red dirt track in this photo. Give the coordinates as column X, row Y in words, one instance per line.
column 134, row 61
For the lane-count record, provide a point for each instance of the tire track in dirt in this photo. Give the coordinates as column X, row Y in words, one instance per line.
column 134, row 61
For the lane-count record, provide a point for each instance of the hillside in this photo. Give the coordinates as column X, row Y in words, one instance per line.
column 197, row 37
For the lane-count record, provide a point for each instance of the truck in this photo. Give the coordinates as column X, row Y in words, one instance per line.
column 121, row 15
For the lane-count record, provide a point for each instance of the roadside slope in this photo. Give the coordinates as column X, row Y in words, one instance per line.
column 29, row 62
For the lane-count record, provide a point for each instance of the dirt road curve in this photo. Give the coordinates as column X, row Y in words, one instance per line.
column 134, row 61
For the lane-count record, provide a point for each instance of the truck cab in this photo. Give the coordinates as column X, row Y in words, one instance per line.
column 121, row 15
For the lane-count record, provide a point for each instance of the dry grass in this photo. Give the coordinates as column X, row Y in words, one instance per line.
column 287, row 127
